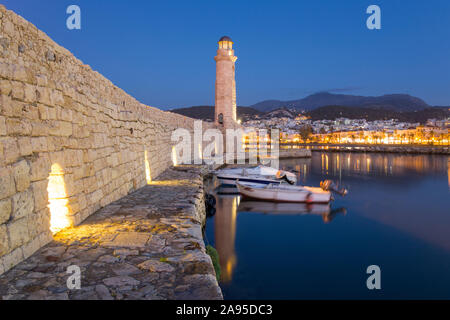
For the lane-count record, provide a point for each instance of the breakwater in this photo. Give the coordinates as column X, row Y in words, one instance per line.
column 147, row 245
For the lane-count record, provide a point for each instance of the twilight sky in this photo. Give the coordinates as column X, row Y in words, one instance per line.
column 161, row 52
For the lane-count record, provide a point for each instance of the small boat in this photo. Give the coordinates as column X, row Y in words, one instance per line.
column 283, row 193
column 259, row 175
column 230, row 179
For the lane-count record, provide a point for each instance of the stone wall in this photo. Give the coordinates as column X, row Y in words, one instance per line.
column 61, row 121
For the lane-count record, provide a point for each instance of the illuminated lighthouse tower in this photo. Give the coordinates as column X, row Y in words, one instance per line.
column 225, row 110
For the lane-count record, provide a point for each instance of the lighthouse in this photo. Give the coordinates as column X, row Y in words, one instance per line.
column 225, row 102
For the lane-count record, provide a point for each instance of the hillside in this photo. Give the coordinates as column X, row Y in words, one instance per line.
column 330, row 112
column 397, row 102
column 371, row 114
column 207, row 112
column 280, row 113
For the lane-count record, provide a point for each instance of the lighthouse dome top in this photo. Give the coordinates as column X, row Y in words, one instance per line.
column 226, row 43
column 225, row 38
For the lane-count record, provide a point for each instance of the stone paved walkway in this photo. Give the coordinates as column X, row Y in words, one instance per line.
column 148, row 245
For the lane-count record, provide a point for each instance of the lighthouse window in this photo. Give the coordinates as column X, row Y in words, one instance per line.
column 220, row 118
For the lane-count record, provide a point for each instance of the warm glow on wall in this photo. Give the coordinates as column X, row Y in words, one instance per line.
column 174, row 156
column 200, row 154
column 148, row 176
column 58, row 201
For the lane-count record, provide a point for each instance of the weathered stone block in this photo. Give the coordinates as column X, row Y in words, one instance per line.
column 41, row 80
column 40, row 194
column 22, row 204
column 5, row 87
column 129, row 240
column 18, row 126
column 11, row 259
column 11, row 108
column 30, row 93
column 5, row 210
column 20, row 74
column 39, row 129
column 2, row 268
column 30, row 248
column 39, row 144
column 45, row 237
column 43, row 221
column 58, row 158
column 43, row 95
column 21, row 173
column 46, row 112
column 18, row 233
column 4, row 242
column 2, row 126
column 56, row 97
column 25, row 147
column 10, row 149
column 40, row 167
column 60, row 128
column 73, row 158
column 18, row 91
column 7, row 186
column 5, row 70
column 66, row 115
column 33, row 225
column 8, row 27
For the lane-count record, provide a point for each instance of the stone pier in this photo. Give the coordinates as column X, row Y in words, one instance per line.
column 147, row 245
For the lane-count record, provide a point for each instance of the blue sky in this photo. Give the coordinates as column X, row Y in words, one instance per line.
column 161, row 52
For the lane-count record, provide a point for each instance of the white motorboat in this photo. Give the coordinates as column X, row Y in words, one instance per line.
column 283, row 193
column 259, row 175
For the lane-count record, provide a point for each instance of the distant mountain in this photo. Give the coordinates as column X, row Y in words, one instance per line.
column 207, row 112
column 397, row 102
column 280, row 113
column 371, row 114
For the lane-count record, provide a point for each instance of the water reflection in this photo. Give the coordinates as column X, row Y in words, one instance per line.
column 323, row 210
column 397, row 211
column 228, row 205
column 225, row 234
column 448, row 171
column 368, row 164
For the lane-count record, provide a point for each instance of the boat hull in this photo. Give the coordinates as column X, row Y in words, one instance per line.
column 230, row 180
column 283, row 194
column 259, row 174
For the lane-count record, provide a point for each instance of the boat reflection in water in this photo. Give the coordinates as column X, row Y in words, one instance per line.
column 265, row 207
column 229, row 205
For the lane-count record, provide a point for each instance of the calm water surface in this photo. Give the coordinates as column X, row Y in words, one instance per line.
column 396, row 216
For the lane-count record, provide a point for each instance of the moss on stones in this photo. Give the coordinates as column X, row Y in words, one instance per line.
column 212, row 252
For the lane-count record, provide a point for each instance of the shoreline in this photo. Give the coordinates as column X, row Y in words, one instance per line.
column 405, row 149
